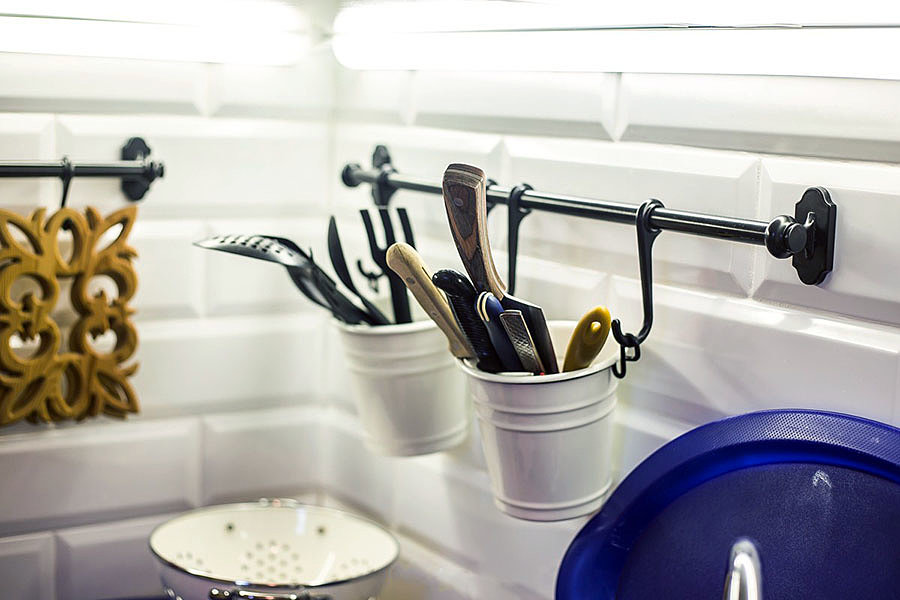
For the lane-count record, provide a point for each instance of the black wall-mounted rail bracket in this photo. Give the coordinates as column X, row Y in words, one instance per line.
column 382, row 190
column 135, row 187
column 819, row 215
column 808, row 237
column 135, row 170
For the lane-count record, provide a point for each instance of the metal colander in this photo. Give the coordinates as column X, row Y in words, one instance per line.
column 276, row 549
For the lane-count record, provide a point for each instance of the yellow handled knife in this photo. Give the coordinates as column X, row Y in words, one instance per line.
column 588, row 338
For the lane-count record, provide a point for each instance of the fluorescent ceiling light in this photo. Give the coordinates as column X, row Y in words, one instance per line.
column 766, row 38
column 491, row 15
column 229, row 31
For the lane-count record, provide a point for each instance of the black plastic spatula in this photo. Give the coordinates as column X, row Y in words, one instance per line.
column 311, row 280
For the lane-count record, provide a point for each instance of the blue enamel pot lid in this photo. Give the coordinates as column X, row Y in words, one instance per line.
column 818, row 494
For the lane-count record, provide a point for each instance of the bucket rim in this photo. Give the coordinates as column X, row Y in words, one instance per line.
column 392, row 329
column 468, row 367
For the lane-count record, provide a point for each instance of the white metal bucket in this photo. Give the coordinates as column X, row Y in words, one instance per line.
column 547, row 439
column 409, row 395
column 276, row 549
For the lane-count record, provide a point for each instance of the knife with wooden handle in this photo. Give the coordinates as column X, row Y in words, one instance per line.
column 466, row 203
column 587, row 339
column 406, row 262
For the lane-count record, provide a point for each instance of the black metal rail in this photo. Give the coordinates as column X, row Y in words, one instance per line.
column 807, row 237
column 783, row 235
column 136, row 171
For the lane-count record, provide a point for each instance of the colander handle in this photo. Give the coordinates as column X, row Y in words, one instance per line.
column 237, row 594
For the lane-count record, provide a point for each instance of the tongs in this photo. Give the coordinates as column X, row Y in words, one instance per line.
column 399, row 299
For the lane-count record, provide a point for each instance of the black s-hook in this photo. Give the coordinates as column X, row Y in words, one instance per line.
column 646, row 235
column 515, row 215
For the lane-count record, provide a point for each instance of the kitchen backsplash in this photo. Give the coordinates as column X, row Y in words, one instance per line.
column 241, row 382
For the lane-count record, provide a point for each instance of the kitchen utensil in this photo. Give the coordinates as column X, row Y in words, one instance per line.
column 489, row 309
column 818, row 493
column 548, row 441
column 306, row 275
column 276, row 549
column 399, row 299
column 587, row 339
column 465, row 201
column 406, row 262
column 515, row 327
column 461, row 295
column 336, row 253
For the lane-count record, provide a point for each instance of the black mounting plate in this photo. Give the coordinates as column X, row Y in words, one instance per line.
column 135, row 187
column 382, row 190
column 816, row 262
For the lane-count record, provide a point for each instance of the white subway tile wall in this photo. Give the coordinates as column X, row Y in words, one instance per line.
column 243, row 389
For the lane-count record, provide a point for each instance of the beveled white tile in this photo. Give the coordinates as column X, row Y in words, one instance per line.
column 639, row 433
column 224, row 167
column 169, row 269
column 563, row 291
column 423, row 573
column 97, row 471
column 108, row 561
column 302, row 90
column 722, row 183
column 864, row 283
column 47, row 83
column 26, row 567
column 227, row 363
column 567, row 104
column 832, row 117
column 381, row 96
column 353, row 473
column 251, row 454
column 712, row 355
column 27, row 137
column 238, row 284
column 448, row 505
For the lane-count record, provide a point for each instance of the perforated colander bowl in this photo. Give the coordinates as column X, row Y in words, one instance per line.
column 276, row 549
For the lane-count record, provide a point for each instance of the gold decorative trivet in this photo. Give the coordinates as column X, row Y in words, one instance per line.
column 81, row 381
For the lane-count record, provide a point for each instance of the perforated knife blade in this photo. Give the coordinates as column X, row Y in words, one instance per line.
column 514, row 324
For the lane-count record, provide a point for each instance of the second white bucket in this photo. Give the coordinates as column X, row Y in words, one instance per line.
column 548, row 440
column 409, row 394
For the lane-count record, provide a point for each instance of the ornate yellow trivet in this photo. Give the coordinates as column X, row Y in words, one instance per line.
column 54, row 384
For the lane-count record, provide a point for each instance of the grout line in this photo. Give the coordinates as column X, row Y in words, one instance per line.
column 618, row 124
column 409, row 111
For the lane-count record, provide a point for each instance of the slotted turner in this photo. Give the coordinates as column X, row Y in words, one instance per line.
column 309, row 278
